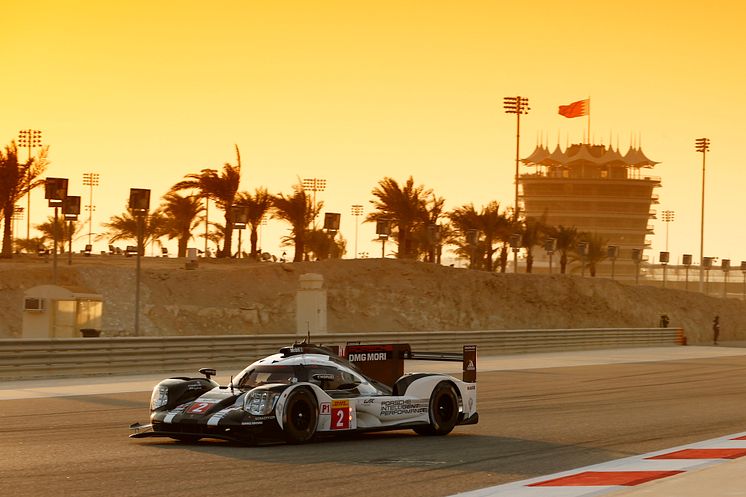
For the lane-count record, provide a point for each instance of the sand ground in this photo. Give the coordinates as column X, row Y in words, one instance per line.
column 240, row 297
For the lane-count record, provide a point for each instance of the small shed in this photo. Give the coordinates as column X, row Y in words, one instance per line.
column 310, row 304
column 51, row 311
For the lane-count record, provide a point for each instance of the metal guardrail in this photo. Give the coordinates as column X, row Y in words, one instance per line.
column 35, row 358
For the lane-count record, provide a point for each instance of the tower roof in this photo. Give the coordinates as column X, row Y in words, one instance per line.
column 583, row 153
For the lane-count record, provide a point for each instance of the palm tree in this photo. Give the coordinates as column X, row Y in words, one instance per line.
column 181, row 216
column 215, row 235
column 62, row 230
column 507, row 230
column 466, row 219
column 496, row 227
column 259, row 204
column 405, row 207
column 323, row 245
column 426, row 237
column 220, row 187
column 298, row 210
column 567, row 240
column 16, row 180
column 125, row 227
column 490, row 223
column 30, row 246
column 532, row 234
column 595, row 250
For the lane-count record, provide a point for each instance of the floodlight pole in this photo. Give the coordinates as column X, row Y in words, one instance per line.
column 90, row 180
column 668, row 217
column 29, row 138
column 314, row 185
column 207, row 222
column 357, row 211
column 516, row 105
column 702, row 145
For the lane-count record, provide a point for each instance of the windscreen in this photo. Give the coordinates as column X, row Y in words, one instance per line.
column 262, row 375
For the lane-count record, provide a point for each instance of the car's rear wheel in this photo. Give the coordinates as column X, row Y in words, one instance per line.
column 443, row 411
column 300, row 416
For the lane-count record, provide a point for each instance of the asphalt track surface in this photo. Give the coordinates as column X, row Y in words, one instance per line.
column 532, row 422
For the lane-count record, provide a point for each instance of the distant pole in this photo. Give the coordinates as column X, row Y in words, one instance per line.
column 90, row 180
column 29, row 138
column 725, row 266
column 516, row 105
column 702, row 145
column 357, row 211
column 668, row 217
column 314, row 185
column 54, row 252
column 262, row 222
column 589, row 120
column 207, row 222
column 139, row 217
column 69, row 242
column 139, row 204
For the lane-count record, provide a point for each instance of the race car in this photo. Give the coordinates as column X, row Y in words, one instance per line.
column 306, row 391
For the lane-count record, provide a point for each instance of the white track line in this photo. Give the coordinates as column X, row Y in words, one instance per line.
column 632, row 464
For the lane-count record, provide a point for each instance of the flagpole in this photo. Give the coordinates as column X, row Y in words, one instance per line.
column 589, row 120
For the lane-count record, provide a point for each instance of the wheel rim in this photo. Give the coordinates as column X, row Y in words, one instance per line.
column 445, row 408
column 301, row 418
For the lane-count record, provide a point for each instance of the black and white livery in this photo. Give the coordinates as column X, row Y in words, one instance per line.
column 305, row 391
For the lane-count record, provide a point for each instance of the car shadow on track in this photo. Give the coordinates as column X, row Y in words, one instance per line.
column 457, row 451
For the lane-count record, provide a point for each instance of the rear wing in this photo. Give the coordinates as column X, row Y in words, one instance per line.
column 385, row 362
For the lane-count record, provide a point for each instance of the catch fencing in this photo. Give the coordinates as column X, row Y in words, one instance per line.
column 47, row 358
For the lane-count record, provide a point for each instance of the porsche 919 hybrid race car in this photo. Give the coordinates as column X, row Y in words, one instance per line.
column 306, row 390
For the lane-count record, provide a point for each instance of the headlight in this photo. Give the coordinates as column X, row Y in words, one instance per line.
column 260, row 402
column 159, row 397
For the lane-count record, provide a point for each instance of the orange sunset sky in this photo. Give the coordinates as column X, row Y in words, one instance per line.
column 143, row 92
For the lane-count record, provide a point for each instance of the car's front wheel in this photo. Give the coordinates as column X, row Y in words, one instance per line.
column 300, row 416
column 443, row 411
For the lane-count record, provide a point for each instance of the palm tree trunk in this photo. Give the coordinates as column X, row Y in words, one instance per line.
column 503, row 258
column 299, row 249
column 489, row 253
column 7, row 251
column 401, row 241
column 182, row 245
column 228, row 240
column 254, row 240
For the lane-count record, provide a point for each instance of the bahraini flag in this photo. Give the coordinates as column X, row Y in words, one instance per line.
column 575, row 109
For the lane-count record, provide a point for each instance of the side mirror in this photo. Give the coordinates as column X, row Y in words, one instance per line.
column 208, row 372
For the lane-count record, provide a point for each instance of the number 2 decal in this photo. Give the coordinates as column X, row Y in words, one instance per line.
column 340, row 415
column 342, row 419
column 199, row 407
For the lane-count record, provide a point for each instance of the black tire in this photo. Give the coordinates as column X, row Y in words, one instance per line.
column 300, row 416
column 443, row 411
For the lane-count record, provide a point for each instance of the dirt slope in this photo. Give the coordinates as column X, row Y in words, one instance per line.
column 236, row 297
